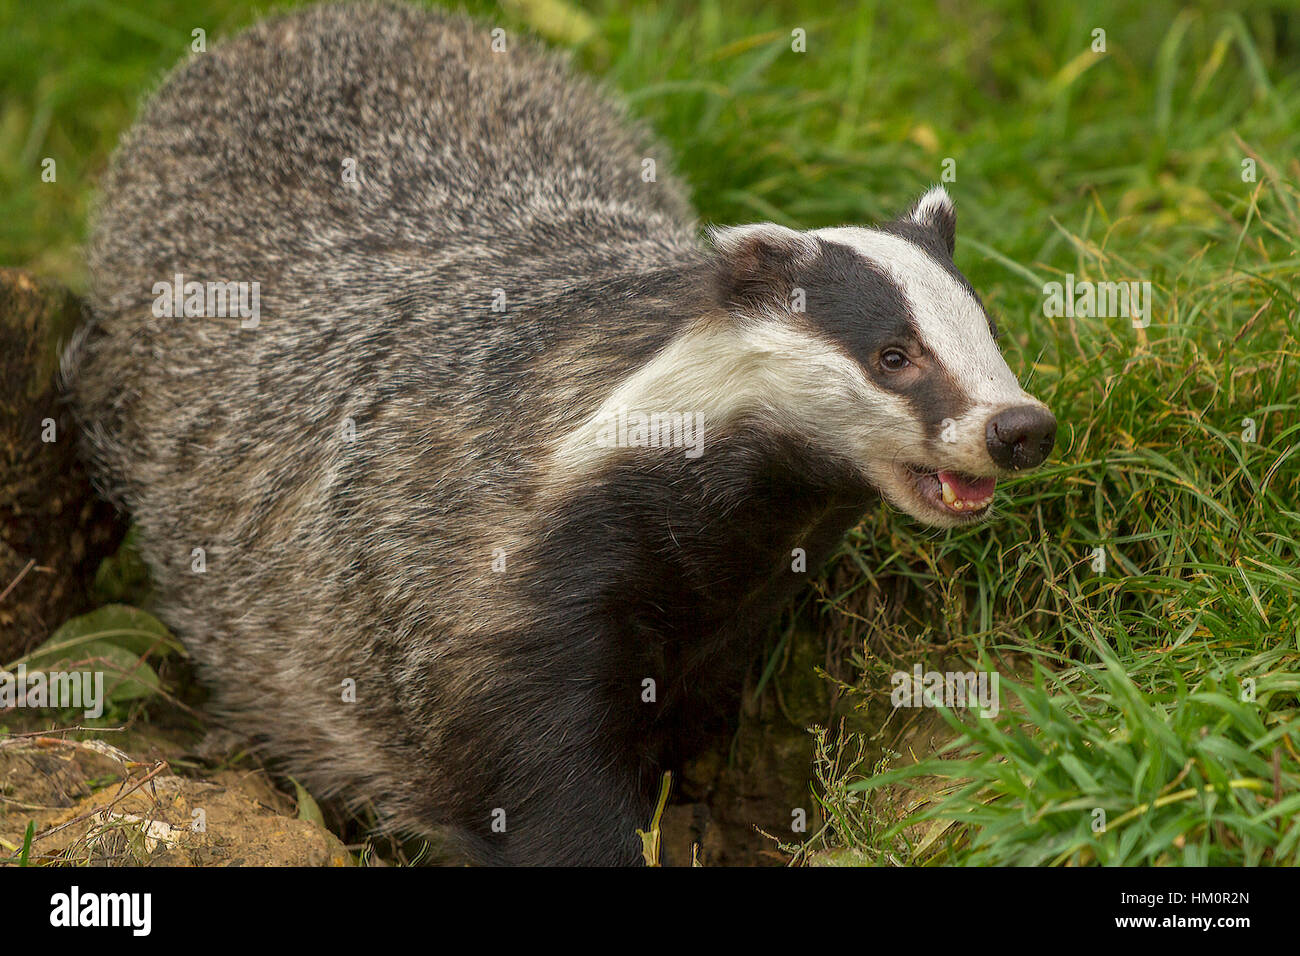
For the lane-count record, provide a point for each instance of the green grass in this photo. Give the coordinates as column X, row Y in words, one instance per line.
column 1122, row 165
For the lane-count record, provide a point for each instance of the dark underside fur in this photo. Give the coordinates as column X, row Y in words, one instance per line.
column 351, row 467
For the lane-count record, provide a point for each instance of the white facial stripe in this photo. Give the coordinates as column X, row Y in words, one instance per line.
column 719, row 373
column 951, row 323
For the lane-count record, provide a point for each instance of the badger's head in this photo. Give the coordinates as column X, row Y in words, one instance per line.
column 880, row 349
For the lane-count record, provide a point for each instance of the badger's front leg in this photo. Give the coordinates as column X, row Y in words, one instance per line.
column 578, row 814
column 548, row 764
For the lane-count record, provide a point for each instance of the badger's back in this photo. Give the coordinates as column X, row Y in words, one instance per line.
column 321, row 497
column 236, row 165
column 365, row 164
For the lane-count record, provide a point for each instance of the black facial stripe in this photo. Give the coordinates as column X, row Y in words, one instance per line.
column 935, row 399
column 857, row 306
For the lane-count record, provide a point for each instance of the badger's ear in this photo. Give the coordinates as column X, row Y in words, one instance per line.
column 934, row 212
column 758, row 264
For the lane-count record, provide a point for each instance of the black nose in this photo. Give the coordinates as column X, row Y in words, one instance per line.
column 1020, row 437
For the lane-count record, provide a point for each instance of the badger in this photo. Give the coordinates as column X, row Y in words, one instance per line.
column 485, row 506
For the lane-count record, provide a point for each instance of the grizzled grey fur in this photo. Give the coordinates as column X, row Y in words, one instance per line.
column 370, row 559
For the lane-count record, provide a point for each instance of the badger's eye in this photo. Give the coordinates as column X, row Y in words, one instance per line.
column 893, row 360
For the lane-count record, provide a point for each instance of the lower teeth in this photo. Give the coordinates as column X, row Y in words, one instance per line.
column 960, row 504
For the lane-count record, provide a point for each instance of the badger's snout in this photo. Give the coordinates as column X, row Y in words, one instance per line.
column 1020, row 437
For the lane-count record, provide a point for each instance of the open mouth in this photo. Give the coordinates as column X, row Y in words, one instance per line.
column 952, row 492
